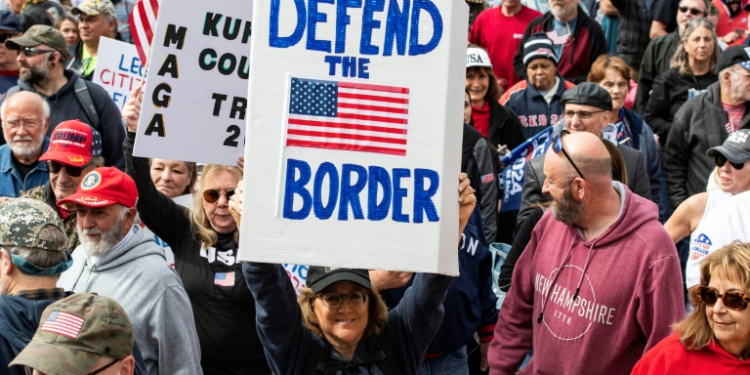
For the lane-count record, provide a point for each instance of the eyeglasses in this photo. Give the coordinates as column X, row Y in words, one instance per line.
column 55, row 167
column 32, row 51
column 693, row 11
column 28, row 124
column 30, row 371
column 333, row 300
column 558, row 146
column 732, row 300
column 720, row 160
column 583, row 115
column 212, row 195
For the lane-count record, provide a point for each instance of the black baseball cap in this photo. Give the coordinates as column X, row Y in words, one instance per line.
column 10, row 22
column 588, row 93
column 734, row 55
column 319, row 278
column 736, row 148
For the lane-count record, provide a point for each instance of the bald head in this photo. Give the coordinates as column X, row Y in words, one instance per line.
column 591, row 156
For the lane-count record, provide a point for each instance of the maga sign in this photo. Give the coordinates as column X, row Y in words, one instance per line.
column 118, row 69
column 195, row 102
column 354, row 133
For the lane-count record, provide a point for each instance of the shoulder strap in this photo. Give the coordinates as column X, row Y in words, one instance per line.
column 312, row 359
column 84, row 98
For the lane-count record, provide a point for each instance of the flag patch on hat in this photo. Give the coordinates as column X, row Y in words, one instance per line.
column 63, row 323
column 488, row 178
column 224, row 279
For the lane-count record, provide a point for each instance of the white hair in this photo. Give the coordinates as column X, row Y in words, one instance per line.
column 45, row 105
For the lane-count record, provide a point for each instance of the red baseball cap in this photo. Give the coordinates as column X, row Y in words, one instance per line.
column 73, row 143
column 104, row 187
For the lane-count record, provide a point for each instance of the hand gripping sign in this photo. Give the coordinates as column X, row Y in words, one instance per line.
column 354, row 133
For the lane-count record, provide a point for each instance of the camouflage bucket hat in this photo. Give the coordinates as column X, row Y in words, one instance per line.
column 39, row 34
column 95, row 8
column 75, row 332
column 22, row 219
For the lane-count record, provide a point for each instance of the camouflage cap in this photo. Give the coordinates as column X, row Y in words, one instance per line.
column 39, row 34
column 95, row 8
column 22, row 219
column 75, row 332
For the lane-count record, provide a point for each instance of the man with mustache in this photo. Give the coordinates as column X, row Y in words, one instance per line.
column 118, row 259
column 25, row 118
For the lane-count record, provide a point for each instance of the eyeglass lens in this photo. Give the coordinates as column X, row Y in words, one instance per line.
column 71, row 171
column 720, row 160
column 333, row 300
column 732, row 300
column 212, row 195
column 693, row 11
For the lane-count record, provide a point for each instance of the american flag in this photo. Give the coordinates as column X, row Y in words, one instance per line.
column 63, row 323
column 142, row 25
column 559, row 36
column 488, row 178
column 224, row 279
column 348, row 116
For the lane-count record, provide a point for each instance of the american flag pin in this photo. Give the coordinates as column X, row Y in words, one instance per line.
column 224, row 278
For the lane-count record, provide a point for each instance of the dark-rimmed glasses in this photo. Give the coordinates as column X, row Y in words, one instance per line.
column 732, row 300
column 30, row 371
column 558, row 146
column 33, row 51
column 333, row 300
column 720, row 160
column 55, row 167
column 693, row 11
column 212, row 195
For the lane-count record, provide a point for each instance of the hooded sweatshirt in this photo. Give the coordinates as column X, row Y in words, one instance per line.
column 630, row 293
column 135, row 274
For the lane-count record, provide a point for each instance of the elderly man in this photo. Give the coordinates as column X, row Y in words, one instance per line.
column 660, row 50
column 75, row 149
column 10, row 27
column 704, row 122
column 587, row 109
column 82, row 334
column 119, row 260
column 32, row 255
column 578, row 39
column 25, row 118
column 97, row 19
column 42, row 56
column 598, row 284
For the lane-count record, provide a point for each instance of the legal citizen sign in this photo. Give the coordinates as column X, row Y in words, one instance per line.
column 354, row 133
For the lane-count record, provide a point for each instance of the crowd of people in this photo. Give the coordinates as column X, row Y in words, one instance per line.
column 629, row 252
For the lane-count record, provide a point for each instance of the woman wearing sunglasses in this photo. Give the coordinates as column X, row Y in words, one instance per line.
column 715, row 338
column 204, row 242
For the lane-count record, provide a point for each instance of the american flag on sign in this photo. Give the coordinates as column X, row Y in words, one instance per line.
column 63, row 323
column 224, row 279
column 348, row 116
column 142, row 25
column 559, row 36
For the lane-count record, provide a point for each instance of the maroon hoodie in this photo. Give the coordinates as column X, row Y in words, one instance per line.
column 630, row 293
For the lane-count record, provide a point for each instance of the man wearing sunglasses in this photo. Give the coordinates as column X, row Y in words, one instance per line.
column 42, row 55
column 729, row 220
column 75, row 149
column 587, row 109
column 10, row 27
column 660, row 50
column 118, row 259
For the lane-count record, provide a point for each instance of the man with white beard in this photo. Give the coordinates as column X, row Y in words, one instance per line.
column 25, row 117
column 117, row 259
column 578, row 39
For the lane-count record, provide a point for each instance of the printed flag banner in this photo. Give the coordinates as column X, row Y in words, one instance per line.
column 515, row 168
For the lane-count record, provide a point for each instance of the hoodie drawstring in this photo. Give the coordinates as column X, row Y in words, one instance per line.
column 554, row 280
column 585, row 267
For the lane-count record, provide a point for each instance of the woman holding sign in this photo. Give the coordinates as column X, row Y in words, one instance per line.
column 340, row 324
column 204, row 242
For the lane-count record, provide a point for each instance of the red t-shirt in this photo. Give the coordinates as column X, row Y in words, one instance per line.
column 735, row 114
column 501, row 36
column 481, row 117
column 726, row 25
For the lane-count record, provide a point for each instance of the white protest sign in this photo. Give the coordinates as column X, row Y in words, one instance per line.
column 354, row 133
column 194, row 101
column 118, row 69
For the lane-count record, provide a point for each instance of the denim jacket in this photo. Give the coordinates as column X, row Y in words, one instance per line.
column 11, row 182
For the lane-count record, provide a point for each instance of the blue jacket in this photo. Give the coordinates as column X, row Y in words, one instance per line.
column 413, row 323
column 470, row 305
column 531, row 107
column 11, row 182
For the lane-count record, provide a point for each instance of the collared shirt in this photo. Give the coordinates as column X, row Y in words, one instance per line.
column 11, row 181
column 42, row 294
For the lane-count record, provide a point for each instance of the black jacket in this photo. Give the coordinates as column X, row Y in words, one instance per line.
column 75, row 62
column 477, row 163
column 42, row 13
column 655, row 61
column 505, row 127
column 632, row 38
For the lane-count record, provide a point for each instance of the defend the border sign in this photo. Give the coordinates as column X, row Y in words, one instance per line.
column 354, row 133
column 195, row 98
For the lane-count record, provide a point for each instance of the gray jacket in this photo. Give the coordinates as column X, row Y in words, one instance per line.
column 136, row 275
column 697, row 126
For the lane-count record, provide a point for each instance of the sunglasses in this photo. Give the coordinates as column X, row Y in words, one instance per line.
column 334, row 300
column 583, row 115
column 212, row 195
column 720, row 160
column 558, row 146
column 30, row 371
column 693, row 11
column 732, row 300
column 55, row 167
column 32, row 51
